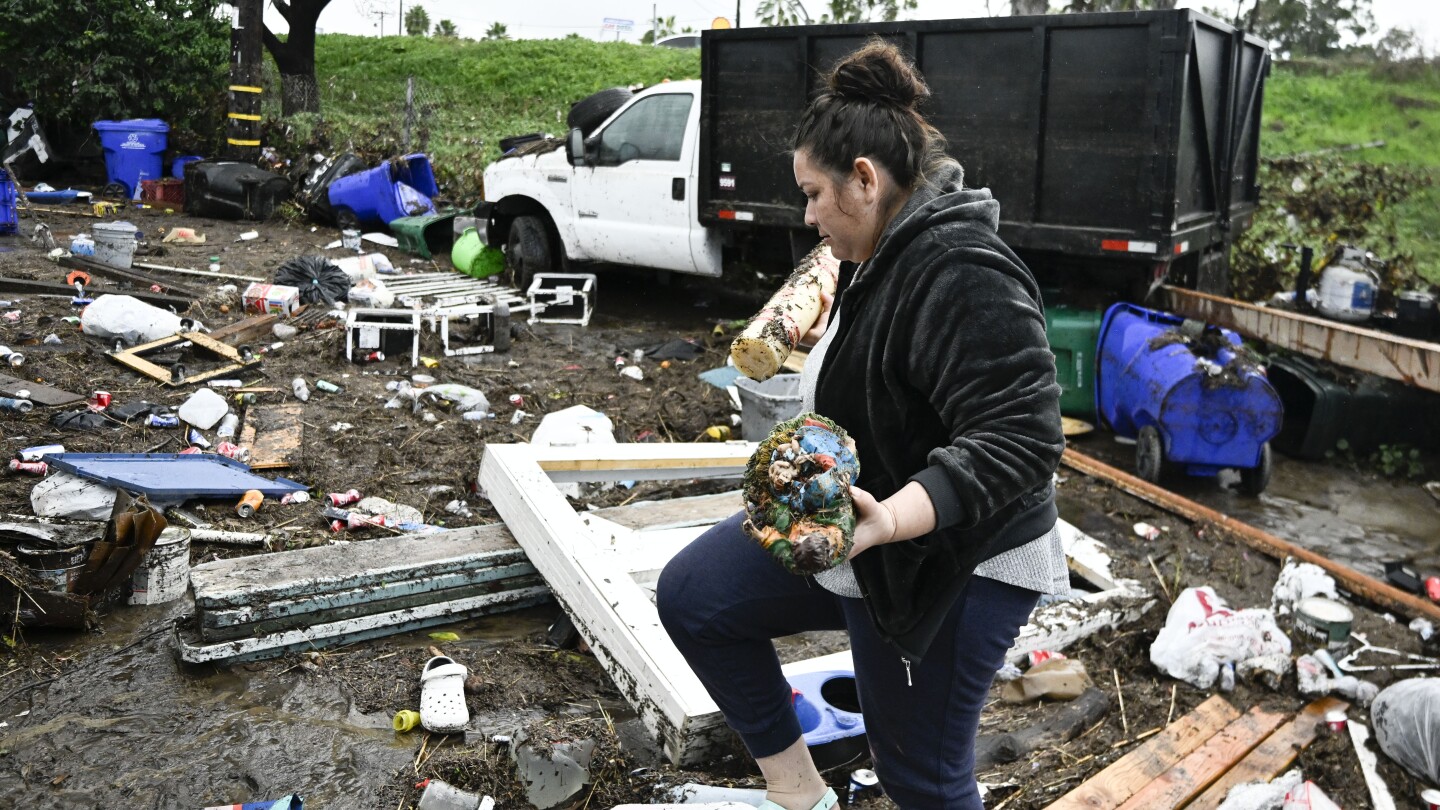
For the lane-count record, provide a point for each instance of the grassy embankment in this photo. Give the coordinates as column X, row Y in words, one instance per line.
column 471, row 94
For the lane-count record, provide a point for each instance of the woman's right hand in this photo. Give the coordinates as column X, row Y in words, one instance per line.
column 810, row 338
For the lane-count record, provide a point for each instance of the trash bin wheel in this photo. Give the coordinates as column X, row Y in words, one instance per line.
column 346, row 220
column 1149, row 454
column 1254, row 480
column 528, row 251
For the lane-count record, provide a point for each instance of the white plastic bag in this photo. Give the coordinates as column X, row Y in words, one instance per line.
column 128, row 319
column 1407, row 725
column 1309, row 797
column 464, row 397
column 1297, row 581
column 1202, row 633
column 1262, row 795
column 63, row 495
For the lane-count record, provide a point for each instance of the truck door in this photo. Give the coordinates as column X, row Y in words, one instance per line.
column 632, row 202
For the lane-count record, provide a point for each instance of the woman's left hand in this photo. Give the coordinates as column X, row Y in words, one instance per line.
column 874, row 522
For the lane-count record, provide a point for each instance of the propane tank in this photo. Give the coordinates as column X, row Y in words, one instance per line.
column 1348, row 286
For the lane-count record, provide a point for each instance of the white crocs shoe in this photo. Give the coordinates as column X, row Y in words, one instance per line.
column 442, row 696
column 826, row 802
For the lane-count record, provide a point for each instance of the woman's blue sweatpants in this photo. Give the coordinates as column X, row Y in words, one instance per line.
column 723, row 598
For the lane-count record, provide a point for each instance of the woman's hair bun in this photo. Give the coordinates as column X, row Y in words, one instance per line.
column 879, row 72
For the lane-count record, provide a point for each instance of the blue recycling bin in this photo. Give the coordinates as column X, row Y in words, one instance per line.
column 134, row 150
column 1185, row 395
column 827, row 705
column 177, row 166
column 401, row 187
column 9, row 220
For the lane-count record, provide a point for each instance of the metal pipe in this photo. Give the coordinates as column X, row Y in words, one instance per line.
column 1381, row 593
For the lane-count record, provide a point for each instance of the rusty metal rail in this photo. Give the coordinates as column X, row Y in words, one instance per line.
column 1410, row 361
column 1362, row 585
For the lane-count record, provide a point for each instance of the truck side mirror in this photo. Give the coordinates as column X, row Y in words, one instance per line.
column 575, row 147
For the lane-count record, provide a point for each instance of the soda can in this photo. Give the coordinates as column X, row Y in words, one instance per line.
column 344, row 498
column 863, row 783
column 250, row 503
column 14, row 358
column 246, row 399
column 517, row 400
column 327, row 387
column 100, row 400
column 18, row 405
column 1335, row 720
column 39, row 451
column 31, row 467
column 168, row 420
column 190, row 451
column 197, row 439
column 231, row 450
column 373, row 357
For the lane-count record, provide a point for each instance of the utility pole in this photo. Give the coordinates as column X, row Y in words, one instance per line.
column 242, row 126
column 737, row 13
column 401, row 18
column 381, row 15
column 654, row 24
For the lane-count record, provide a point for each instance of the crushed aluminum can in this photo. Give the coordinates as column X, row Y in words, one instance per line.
column 168, row 420
column 100, row 400
column 32, row 467
column 196, row 438
column 863, row 783
column 39, row 451
column 235, row 451
column 517, row 400
column 344, row 498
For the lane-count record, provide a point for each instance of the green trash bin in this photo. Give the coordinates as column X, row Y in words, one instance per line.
column 425, row 236
column 1073, row 334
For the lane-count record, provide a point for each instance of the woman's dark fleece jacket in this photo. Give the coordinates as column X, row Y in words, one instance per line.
column 941, row 371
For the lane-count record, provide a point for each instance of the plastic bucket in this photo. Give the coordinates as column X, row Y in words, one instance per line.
column 465, row 255
column 114, row 244
column 134, row 150
column 386, row 193
column 164, row 574
column 1210, row 411
column 827, row 705
column 425, row 236
column 58, row 567
column 765, row 404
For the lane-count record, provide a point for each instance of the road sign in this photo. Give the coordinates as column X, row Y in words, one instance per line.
column 614, row 24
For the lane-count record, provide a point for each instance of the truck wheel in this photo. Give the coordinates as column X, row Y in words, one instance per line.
column 1149, row 454
column 528, row 251
column 591, row 111
column 1254, row 480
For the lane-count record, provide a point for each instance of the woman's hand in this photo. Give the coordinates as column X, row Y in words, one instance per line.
column 874, row 522
column 813, row 336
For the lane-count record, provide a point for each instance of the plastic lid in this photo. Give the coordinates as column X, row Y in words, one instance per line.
column 134, row 125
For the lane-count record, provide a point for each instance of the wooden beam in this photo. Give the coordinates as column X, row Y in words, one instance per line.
column 247, row 330
column 127, row 276
column 27, row 286
column 1367, row 587
column 1380, row 797
column 1127, row 775
column 1272, row 757
column 1187, row 778
column 1415, row 362
column 643, row 461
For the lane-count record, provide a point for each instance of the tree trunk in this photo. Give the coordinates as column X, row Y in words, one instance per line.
column 1022, row 8
column 299, row 93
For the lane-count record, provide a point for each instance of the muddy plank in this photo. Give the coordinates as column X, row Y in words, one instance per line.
column 1188, row 777
column 273, row 433
column 288, row 574
column 355, row 610
column 1063, row 722
column 40, row 393
column 248, row 330
column 1273, row 756
column 27, row 286
column 141, row 280
column 349, row 631
column 700, row 510
column 1122, row 778
column 216, row 619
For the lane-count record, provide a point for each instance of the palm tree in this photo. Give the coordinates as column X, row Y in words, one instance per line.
column 782, row 12
column 445, row 28
column 497, row 31
column 660, row 27
column 417, row 21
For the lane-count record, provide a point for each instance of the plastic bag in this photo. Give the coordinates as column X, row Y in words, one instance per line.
column 1308, row 797
column 1262, row 795
column 1297, row 581
column 63, row 495
column 317, row 279
column 464, row 397
column 129, row 319
column 1201, row 634
column 1407, row 725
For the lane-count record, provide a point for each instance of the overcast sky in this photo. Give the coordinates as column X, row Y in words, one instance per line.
column 545, row 19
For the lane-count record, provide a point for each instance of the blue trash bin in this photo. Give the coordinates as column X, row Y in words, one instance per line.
column 177, row 166
column 828, row 708
column 402, row 187
column 1184, row 394
column 134, row 150
column 9, row 219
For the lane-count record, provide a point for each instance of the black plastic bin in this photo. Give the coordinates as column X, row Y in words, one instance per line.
column 1323, row 407
column 229, row 190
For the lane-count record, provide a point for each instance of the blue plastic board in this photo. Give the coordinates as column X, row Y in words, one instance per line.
column 172, row 477
column 721, row 377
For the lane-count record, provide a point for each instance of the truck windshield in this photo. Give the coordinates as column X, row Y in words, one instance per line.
column 652, row 128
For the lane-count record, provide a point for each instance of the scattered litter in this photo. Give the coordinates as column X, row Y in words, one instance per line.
column 1423, row 627
column 1146, row 531
column 248, row 236
column 1262, row 795
column 440, row 795
column 120, row 317
column 633, row 372
column 1057, row 679
column 1325, row 619
column 445, row 635
column 341, row 427
column 1298, row 581
column 1308, row 797
column 553, row 771
column 318, row 280
column 204, row 409
column 1201, row 634
column 184, row 236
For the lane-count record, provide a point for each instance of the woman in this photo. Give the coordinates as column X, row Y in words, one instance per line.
column 933, row 356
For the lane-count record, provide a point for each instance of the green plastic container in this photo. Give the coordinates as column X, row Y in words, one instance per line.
column 426, row 235
column 465, row 256
column 1073, row 334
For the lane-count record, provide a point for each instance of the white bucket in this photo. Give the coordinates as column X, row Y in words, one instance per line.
column 1347, row 292
column 114, row 244
column 164, row 574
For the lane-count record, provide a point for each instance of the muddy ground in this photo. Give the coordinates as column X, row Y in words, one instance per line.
column 114, row 720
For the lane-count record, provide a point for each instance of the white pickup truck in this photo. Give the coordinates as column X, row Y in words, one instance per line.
column 626, row 194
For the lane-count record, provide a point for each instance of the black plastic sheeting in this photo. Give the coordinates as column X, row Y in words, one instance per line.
column 317, row 279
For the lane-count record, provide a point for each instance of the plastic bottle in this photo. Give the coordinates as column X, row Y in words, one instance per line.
column 250, row 503
column 12, row 404
column 228, row 426
column 302, row 391
column 14, row 358
column 327, row 386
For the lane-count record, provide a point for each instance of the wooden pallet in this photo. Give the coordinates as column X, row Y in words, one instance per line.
column 1195, row 760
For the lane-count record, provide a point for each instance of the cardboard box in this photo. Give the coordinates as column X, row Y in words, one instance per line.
column 267, row 299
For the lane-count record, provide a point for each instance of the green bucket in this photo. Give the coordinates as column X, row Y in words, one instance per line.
column 465, row 255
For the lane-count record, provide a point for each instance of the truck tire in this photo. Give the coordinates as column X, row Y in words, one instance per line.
column 528, row 250
column 591, row 111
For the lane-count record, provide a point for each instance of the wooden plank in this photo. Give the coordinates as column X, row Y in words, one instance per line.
column 140, row 280
column 1381, row 593
column 247, row 330
column 287, row 574
column 1186, row 778
column 30, row 287
column 1273, row 756
column 675, row 513
column 643, row 461
column 40, row 393
column 274, row 434
column 1122, row 778
column 1380, row 797
column 1411, row 361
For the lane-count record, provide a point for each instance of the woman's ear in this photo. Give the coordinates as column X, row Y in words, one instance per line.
column 868, row 177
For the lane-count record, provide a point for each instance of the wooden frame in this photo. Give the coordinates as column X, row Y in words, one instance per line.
column 601, row 572
column 134, row 358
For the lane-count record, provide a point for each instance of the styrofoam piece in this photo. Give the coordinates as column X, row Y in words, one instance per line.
column 204, row 409
column 64, row 495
